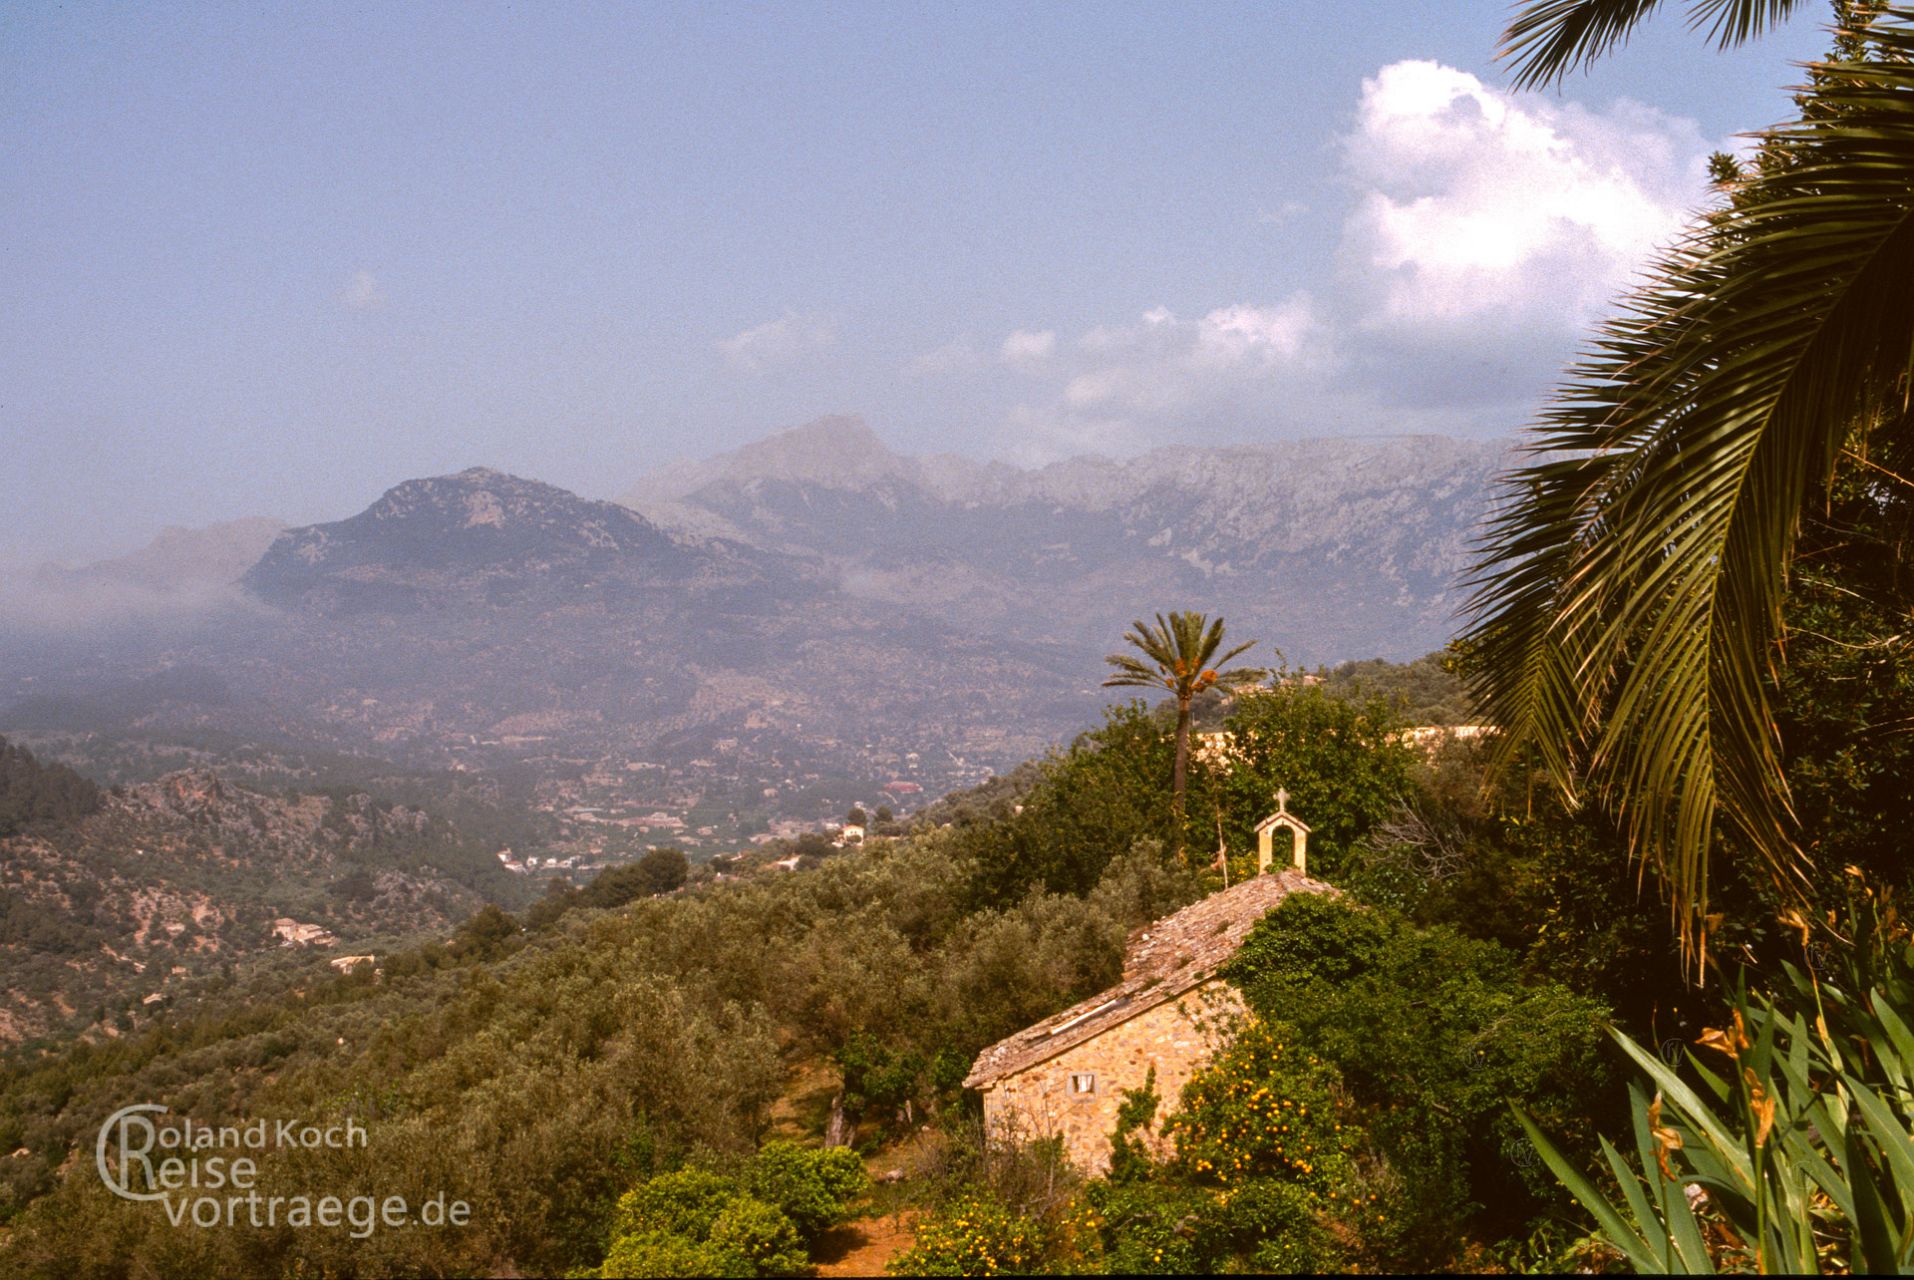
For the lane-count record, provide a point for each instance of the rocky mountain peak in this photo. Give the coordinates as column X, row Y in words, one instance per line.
column 479, row 494
column 186, row 792
column 829, row 450
column 839, row 452
column 473, row 520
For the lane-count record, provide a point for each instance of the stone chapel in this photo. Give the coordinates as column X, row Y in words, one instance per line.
column 1065, row 1077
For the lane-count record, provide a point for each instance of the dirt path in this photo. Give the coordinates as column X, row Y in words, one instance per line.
column 800, row 1108
column 861, row 1248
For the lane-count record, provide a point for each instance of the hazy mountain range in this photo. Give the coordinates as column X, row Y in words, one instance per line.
column 1329, row 549
column 182, row 571
column 813, row 601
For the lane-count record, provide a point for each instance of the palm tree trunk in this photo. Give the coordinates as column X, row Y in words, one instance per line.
column 1181, row 777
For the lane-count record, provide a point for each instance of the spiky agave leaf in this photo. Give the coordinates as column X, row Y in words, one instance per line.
column 1628, row 607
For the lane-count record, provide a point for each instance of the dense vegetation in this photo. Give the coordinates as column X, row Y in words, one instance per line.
column 760, row 1220
column 1425, row 691
column 1429, row 1069
column 646, row 1036
column 31, row 791
column 541, row 1070
column 660, row 870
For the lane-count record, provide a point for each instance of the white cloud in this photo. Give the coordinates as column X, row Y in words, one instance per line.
column 362, row 292
column 1034, row 436
column 1475, row 203
column 959, row 355
column 1233, row 336
column 1120, row 386
column 1027, row 347
column 1485, row 232
column 1162, row 362
column 778, row 343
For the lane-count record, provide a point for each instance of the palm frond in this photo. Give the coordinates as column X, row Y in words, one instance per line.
column 1130, row 673
column 1548, row 39
column 1179, row 654
column 1628, row 605
column 1232, row 655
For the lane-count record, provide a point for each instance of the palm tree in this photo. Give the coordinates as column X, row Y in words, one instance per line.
column 1550, row 38
column 1628, row 610
column 1179, row 654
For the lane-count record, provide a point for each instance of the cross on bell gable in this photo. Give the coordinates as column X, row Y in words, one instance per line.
column 1266, row 836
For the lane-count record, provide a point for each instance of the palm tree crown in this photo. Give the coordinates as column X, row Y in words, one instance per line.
column 1180, row 655
column 1628, row 609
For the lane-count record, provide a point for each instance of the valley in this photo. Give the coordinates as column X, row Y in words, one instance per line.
column 114, row 909
column 749, row 644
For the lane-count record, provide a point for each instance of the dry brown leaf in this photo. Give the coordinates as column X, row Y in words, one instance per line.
column 1666, row 1139
column 1761, row 1104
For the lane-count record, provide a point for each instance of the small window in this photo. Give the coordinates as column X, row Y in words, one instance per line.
column 1083, row 1082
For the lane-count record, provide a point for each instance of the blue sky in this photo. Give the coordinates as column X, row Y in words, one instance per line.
column 274, row 259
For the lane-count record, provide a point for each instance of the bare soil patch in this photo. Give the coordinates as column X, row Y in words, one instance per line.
column 863, row 1247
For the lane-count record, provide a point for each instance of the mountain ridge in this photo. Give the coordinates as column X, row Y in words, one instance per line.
column 476, row 517
column 1364, row 526
column 842, row 451
column 828, row 617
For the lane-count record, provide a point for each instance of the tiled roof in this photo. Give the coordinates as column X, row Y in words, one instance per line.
column 1163, row 960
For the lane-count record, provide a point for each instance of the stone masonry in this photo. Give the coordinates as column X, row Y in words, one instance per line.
column 1066, row 1076
column 1047, row 1100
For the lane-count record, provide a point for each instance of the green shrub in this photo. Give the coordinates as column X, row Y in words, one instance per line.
column 1279, row 1227
column 1166, row 1226
column 812, row 1186
column 1432, row 1035
column 973, row 1236
column 685, row 1203
column 1144, row 1228
column 762, row 1235
column 658, row 1253
column 876, row 1076
column 1264, row 1109
column 695, row 1221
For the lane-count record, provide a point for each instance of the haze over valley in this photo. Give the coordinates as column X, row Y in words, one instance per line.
column 976, row 639
column 744, row 643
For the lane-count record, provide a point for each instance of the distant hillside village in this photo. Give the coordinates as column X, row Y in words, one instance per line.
column 611, row 836
column 811, row 838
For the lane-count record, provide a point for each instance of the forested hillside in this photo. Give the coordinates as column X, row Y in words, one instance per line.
column 32, row 792
column 541, row 1073
column 113, row 903
column 586, row 1073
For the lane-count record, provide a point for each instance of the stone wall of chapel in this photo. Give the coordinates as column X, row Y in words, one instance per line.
column 1177, row 1037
